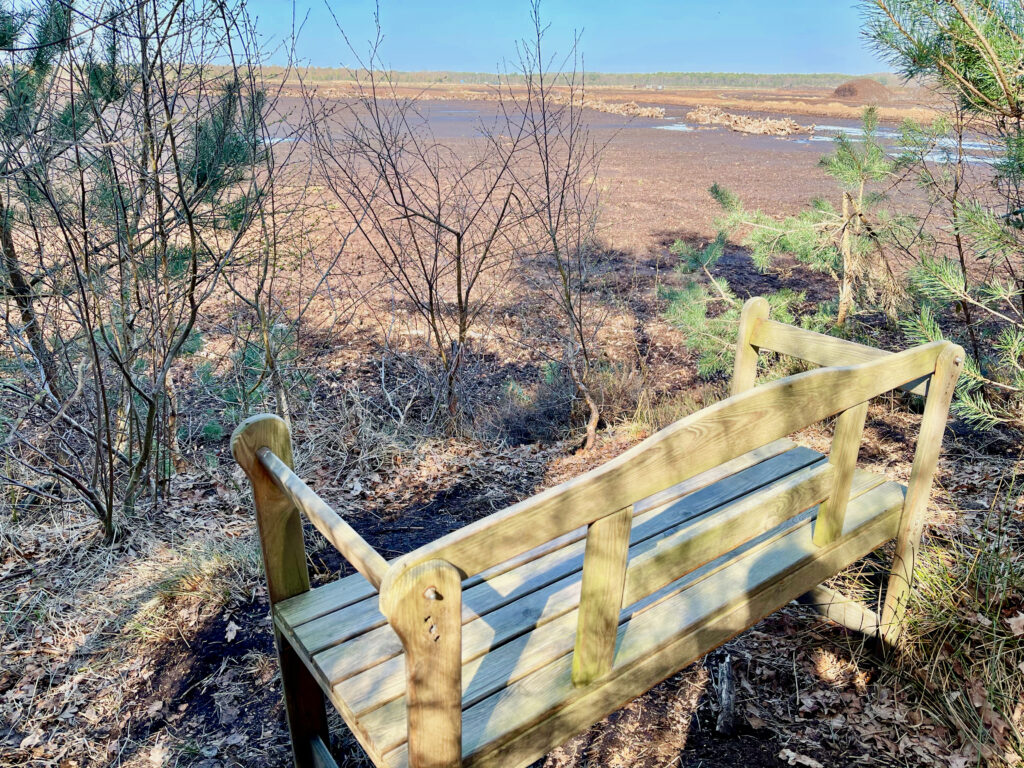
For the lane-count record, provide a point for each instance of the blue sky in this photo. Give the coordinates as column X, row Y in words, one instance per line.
column 618, row 35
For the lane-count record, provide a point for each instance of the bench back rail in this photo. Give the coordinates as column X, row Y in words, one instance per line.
column 692, row 445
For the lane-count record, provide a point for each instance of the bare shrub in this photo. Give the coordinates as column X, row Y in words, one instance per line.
column 439, row 222
column 133, row 169
column 555, row 166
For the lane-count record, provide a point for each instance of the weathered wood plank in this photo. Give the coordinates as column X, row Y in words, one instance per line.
column 367, row 644
column 604, row 574
column 324, row 632
column 691, row 547
column 528, row 718
column 821, row 349
column 509, row 661
column 744, row 372
column 926, row 459
column 352, row 589
column 843, row 458
column 690, row 446
column 325, row 599
column 424, row 606
column 721, row 472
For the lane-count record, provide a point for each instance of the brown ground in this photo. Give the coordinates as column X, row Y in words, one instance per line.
column 865, row 90
column 909, row 102
column 158, row 651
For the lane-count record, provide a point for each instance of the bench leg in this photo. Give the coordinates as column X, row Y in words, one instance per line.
column 912, row 521
column 304, row 707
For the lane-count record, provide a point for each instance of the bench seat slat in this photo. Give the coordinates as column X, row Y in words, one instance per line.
column 353, row 588
column 507, row 584
column 483, row 675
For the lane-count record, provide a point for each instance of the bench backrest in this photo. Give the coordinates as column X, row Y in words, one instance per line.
column 692, row 445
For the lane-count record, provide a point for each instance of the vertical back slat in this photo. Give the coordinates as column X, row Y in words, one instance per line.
column 744, row 372
column 843, row 457
column 604, row 576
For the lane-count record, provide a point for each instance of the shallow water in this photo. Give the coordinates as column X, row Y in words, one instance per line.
column 976, row 150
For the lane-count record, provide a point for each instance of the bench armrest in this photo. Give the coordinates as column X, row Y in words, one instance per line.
column 343, row 536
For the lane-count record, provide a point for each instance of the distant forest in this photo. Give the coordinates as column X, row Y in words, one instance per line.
column 619, row 79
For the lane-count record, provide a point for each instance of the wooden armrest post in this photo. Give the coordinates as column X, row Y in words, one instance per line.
column 423, row 605
column 926, row 458
column 284, row 562
column 845, row 446
column 744, row 372
column 604, row 578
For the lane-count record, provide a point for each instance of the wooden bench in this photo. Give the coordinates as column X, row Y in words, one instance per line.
column 496, row 643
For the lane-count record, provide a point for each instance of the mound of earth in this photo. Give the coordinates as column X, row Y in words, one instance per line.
column 629, row 109
column 863, row 89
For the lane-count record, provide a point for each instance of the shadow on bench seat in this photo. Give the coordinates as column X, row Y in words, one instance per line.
column 496, row 643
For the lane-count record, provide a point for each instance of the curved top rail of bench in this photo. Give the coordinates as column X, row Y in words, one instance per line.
column 262, row 447
column 686, row 448
column 820, row 349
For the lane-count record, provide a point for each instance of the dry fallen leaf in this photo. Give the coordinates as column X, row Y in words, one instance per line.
column 1016, row 624
column 32, row 739
column 795, row 758
column 158, row 754
column 231, row 631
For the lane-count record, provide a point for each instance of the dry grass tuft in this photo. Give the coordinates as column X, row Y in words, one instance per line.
column 965, row 644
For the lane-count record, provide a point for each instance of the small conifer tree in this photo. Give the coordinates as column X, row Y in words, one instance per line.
column 973, row 50
column 708, row 311
column 846, row 242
